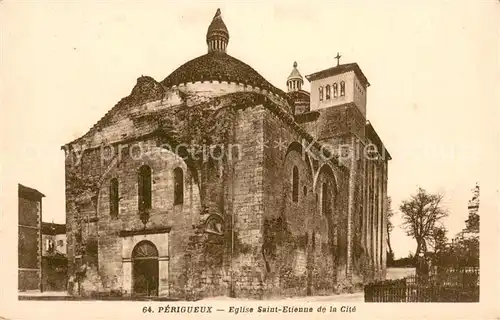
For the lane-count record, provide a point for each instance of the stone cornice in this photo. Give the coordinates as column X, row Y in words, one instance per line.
column 139, row 232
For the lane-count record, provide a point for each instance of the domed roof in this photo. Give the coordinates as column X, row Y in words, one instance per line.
column 217, row 27
column 219, row 66
column 295, row 74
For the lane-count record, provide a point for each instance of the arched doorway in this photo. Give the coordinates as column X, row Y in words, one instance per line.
column 145, row 269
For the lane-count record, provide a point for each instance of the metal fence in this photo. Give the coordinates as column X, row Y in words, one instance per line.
column 450, row 285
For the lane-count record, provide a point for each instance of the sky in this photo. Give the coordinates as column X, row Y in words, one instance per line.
column 433, row 69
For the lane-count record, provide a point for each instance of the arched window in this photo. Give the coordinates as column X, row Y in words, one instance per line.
column 113, row 197
column 342, row 88
column 325, row 199
column 178, row 186
column 295, row 184
column 328, row 92
column 320, row 93
column 335, row 90
column 144, row 188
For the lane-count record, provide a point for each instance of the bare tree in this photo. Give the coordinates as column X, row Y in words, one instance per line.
column 422, row 213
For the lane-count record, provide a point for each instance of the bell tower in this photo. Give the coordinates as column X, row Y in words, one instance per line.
column 338, row 86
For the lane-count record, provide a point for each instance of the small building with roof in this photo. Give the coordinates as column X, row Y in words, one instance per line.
column 29, row 238
column 54, row 260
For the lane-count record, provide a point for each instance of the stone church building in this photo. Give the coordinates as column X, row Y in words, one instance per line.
column 215, row 182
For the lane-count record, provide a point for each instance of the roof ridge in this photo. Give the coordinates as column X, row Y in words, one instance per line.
column 352, row 66
column 142, row 81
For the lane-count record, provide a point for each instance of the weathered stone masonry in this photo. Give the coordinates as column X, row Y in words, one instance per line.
column 272, row 216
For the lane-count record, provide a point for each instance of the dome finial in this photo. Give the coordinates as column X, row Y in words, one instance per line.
column 294, row 81
column 217, row 34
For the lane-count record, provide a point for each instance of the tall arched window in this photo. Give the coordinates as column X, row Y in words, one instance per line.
column 328, row 92
column 144, row 188
column 320, row 93
column 325, row 199
column 178, row 186
column 295, row 184
column 342, row 88
column 113, row 197
column 335, row 90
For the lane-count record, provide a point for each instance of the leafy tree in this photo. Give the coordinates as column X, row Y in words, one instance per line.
column 440, row 245
column 466, row 250
column 406, row 262
column 439, row 238
column 472, row 223
column 422, row 213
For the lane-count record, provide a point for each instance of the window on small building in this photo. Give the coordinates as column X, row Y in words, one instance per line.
column 320, row 93
column 335, row 90
column 113, row 197
column 49, row 244
column 342, row 88
column 328, row 92
column 295, row 184
column 144, row 188
column 178, row 186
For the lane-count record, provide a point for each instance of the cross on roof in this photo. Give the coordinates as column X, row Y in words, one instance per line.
column 338, row 58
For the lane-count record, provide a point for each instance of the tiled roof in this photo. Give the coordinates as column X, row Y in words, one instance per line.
column 343, row 68
column 53, row 228
column 146, row 89
column 222, row 67
column 27, row 192
column 372, row 135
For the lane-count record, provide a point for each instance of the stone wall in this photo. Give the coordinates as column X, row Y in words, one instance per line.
column 54, row 276
column 342, row 128
column 28, row 279
column 181, row 218
column 199, row 264
column 29, row 246
column 304, row 247
column 247, row 204
column 269, row 244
